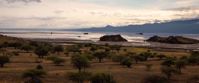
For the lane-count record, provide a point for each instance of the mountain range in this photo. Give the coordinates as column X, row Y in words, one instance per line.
column 190, row 26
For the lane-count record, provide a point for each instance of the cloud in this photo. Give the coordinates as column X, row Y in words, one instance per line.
column 90, row 13
column 25, row 1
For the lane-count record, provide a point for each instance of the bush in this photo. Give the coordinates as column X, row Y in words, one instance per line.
column 168, row 71
column 56, row 60
column 148, row 67
column 26, row 47
column 126, row 62
column 79, row 77
column 117, row 58
column 102, row 78
column 138, row 58
column 194, row 58
column 161, row 56
column 145, row 55
column 168, row 62
column 179, row 64
column 193, row 79
column 4, row 60
column 155, row 79
column 58, row 48
column 33, row 75
column 39, row 67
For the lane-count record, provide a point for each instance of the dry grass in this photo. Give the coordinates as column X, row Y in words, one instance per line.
column 12, row 71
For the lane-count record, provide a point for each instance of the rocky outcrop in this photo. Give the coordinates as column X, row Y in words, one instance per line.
column 173, row 40
column 113, row 38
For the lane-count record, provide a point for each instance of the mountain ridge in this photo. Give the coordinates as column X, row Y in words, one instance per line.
column 190, row 26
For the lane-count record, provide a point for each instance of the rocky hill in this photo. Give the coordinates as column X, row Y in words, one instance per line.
column 113, row 38
column 173, row 40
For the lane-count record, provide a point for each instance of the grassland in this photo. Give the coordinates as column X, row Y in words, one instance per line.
column 12, row 72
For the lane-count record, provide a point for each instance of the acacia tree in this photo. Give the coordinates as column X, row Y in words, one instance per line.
column 80, row 62
column 58, row 49
column 41, row 51
column 168, row 71
column 100, row 55
column 168, row 62
column 180, row 64
column 4, row 60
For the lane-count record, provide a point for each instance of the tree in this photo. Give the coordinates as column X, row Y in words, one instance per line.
column 180, row 64
column 102, row 78
column 80, row 62
column 41, row 51
column 4, row 60
column 58, row 48
column 126, row 62
column 80, row 77
column 155, row 79
column 100, row 55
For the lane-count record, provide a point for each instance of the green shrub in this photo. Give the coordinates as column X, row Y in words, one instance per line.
column 102, row 78
column 168, row 71
column 58, row 48
column 79, row 77
column 39, row 67
column 126, row 62
column 168, row 62
column 4, row 60
column 33, row 73
column 155, row 79
column 193, row 79
column 56, row 60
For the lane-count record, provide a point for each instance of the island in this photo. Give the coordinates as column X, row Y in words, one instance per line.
column 173, row 40
column 113, row 38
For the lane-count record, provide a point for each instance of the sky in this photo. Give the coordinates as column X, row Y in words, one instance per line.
column 70, row 14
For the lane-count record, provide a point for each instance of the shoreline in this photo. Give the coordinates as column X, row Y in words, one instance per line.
column 155, row 45
column 133, row 44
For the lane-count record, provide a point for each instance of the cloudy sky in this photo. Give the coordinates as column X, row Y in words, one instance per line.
column 92, row 13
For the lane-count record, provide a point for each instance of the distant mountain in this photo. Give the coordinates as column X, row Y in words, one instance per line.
column 178, row 26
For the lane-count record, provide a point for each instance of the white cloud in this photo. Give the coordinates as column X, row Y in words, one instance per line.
column 77, row 14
